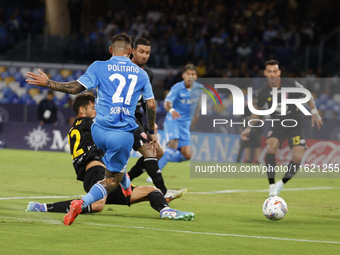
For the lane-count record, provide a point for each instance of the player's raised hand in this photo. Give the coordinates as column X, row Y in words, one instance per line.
column 37, row 79
column 175, row 114
column 316, row 119
column 245, row 134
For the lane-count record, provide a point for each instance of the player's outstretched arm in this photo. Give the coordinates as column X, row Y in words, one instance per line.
column 316, row 118
column 151, row 117
column 72, row 87
column 168, row 108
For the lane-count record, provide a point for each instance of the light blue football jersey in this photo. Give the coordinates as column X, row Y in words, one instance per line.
column 182, row 99
column 119, row 84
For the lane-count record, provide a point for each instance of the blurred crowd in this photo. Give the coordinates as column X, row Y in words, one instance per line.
column 224, row 38
column 18, row 19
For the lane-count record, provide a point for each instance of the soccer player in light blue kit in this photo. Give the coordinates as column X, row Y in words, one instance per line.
column 177, row 121
column 119, row 83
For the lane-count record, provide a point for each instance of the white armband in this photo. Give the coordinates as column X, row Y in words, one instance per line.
column 314, row 111
column 171, row 110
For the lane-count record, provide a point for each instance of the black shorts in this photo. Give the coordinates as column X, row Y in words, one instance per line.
column 92, row 176
column 80, row 162
column 140, row 137
column 117, row 197
column 97, row 173
column 295, row 135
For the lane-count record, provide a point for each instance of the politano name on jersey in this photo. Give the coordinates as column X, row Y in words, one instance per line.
column 119, row 83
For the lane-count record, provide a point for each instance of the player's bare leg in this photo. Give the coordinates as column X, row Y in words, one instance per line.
column 293, row 166
column 246, row 155
column 173, row 144
column 186, row 151
column 298, row 152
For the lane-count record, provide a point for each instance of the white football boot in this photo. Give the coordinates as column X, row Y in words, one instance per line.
column 272, row 190
column 279, row 186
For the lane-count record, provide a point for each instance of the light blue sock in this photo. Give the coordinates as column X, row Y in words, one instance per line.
column 169, row 152
column 125, row 182
column 96, row 193
column 177, row 157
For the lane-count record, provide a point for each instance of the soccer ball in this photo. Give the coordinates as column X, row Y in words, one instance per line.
column 274, row 208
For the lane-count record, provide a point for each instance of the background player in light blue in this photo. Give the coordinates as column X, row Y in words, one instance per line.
column 177, row 121
column 119, row 84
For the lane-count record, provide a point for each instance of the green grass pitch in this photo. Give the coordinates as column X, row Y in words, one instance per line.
column 228, row 223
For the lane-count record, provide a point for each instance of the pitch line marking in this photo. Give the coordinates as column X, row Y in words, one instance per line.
column 206, row 192
column 40, row 197
column 261, row 190
column 55, row 222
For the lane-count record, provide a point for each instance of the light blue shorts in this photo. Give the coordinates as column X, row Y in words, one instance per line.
column 116, row 145
column 175, row 129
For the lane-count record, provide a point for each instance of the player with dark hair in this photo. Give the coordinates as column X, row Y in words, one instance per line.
column 277, row 134
column 141, row 53
column 90, row 169
column 177, row 121
column 119, row 83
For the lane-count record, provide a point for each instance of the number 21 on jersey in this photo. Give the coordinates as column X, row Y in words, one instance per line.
column 117, row 98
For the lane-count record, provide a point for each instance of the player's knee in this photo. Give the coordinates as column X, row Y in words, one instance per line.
column 145, row 152
column 298, row 153
column 173, row 144
column 159, row 152
column 272, row 147
column 187, row 154
column 297, row 157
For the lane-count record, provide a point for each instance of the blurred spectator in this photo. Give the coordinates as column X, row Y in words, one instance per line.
column 70, row 121
column 201, row 68
column 243, row 53
column 68, row 103
column 47, row 110
column 269, row 34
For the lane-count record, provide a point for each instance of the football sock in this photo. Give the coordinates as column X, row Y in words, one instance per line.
column 151, row 166
column 240, row 152
column 169, row 152
column 64, row 206
column 292, row 169
column 96, row 193
column 157, row 200
column 270, row 163
column 125, row 182
column 137, row 169
column 177, row 157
